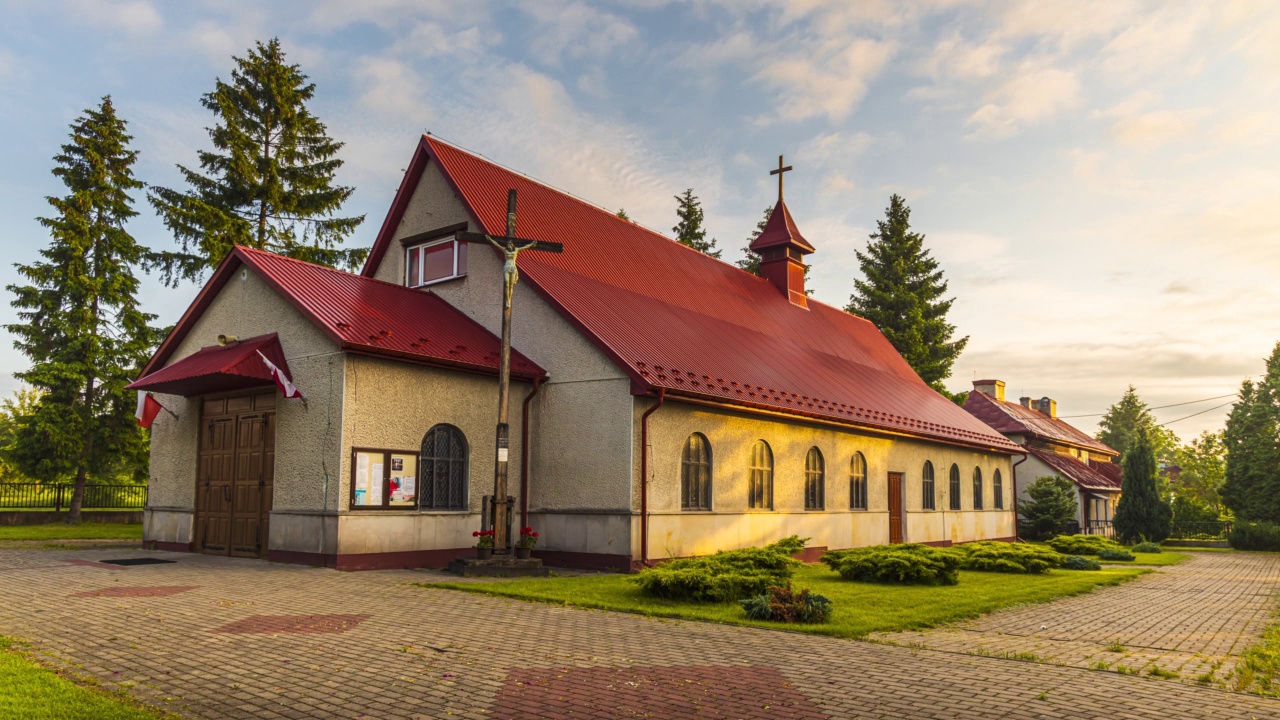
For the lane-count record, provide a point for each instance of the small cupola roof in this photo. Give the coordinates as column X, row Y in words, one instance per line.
column 781, row 230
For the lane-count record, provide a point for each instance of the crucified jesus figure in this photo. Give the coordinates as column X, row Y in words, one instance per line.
column 510, row 273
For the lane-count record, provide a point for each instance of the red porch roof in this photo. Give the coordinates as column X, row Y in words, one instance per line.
column 362, row 315
column 701, row 328
column 1014, row 419
column 218, row 368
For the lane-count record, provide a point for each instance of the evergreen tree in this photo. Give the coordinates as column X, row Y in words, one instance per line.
column 622, row 214
column 1128, row 420
column 268, row 182
column 751, row 261
column 902, row 294
column 15, row 412
column 689, row 230
column 1051, row 504
column 1252, row 439
column 1203, row 468
column 80, row 321
column 1141, row 514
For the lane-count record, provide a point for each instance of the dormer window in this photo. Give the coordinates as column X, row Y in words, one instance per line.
column 434, row 256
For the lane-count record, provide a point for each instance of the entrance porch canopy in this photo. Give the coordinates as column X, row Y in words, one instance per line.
column 219, row 368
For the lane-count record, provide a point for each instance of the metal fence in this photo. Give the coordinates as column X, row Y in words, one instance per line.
column 1101, row 527
column 57, row 496
column 1217, row 530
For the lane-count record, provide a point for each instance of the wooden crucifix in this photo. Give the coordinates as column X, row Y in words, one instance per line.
column 511, row 246
column 779, row 173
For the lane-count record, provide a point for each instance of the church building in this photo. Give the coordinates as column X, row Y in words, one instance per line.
column 663, row 403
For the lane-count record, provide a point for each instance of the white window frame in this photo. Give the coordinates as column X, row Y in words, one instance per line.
column 417, row 248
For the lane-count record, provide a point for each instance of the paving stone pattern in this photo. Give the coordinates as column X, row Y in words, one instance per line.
column 426, row 653
column 1193, row 619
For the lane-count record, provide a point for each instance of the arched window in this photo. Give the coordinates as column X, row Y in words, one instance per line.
column 954, row 489
column 444, row 469
column 927, row 491
column 695, row 474
column 760, row 491
column 977, row 488
column 814, row 480
column 858, row 482
column 997, row 486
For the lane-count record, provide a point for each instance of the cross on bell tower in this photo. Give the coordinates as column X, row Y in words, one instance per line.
column 779, row 173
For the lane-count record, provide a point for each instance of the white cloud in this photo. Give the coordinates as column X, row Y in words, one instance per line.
column 577, row 30
column 827, row 81
column 835, row 149
column 953, row 58
column 391, row 88
column 1152, row 129
column 1034, row 93
column 134, row 17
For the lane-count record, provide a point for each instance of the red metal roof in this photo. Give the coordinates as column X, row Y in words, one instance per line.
column 1085, row 475
column 780, row 229
column 1014, row 419
column 364, row 315
column 218, row 368
column 674, row 318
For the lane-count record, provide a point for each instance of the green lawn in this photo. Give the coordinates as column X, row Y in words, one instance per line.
column 1160, row 558
column 860, row 608
column 63, row 531
column 31, row 692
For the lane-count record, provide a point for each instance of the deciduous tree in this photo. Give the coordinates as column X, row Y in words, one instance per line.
column 81, row 326
column 1203, row 468
column 902, row 293
column 267, row 183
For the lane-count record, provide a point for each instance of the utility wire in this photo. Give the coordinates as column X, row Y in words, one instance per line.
column 1194, row 414
column 1159, row 407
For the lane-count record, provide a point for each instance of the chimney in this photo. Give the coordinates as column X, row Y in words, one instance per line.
column 782, row 249
column 1047, row 406
column 1027, row 403
column 994, row 388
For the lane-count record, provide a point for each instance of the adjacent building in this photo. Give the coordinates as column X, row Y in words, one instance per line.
column 665, row 404
column 1053, row 447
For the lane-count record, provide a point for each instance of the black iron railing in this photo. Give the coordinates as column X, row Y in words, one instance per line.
column 1101, row 527
column 57, row 496
column 1216, row 530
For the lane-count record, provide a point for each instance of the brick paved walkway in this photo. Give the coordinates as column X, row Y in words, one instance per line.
column 246, row 638
column 1193, row 619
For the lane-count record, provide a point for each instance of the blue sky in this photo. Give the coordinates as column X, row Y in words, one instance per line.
column 1098, row 179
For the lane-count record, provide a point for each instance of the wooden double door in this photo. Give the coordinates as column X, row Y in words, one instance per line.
column 236, row 470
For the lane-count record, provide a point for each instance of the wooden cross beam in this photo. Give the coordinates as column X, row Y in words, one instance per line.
column 779, row 173
column 510, row 238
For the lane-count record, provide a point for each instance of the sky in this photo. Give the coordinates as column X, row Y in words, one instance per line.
column 1100, row 181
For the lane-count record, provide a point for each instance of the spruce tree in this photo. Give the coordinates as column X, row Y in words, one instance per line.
column 689, row 230
column 268, row 182
column 1141, row 513
column 1252, row 439
column 80, row 324
column 1050, row 505
column 902, row 294
column 751, row 261
column 622, row 214
column 1129, row 419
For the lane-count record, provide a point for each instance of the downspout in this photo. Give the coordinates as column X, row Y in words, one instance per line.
column 644, row 476
column 524, row 454
column 1014, row 472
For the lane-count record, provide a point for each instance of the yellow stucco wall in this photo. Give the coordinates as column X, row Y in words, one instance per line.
column 677, row 533
column 307, row 436
column 581, row 418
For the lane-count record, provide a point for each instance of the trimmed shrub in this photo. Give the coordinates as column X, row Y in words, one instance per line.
column 1077, row 562
column 1115, row 554
column 1254, row 536
column 1147, row 547
column 782, row 604
column 1081, row 544
column 989, row 556
column 788, row 545
column 909, row 564
column 723, row 577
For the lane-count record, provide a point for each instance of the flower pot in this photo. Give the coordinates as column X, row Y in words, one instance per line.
column 484, row 553
column 522, row 553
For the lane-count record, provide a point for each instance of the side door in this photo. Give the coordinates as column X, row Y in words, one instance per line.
column 895, row 507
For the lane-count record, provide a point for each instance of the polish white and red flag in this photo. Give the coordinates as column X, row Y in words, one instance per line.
column 148, row 409
column 282, row 381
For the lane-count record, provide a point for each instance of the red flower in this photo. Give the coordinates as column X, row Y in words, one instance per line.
column 475, row 534
column 535, row 534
